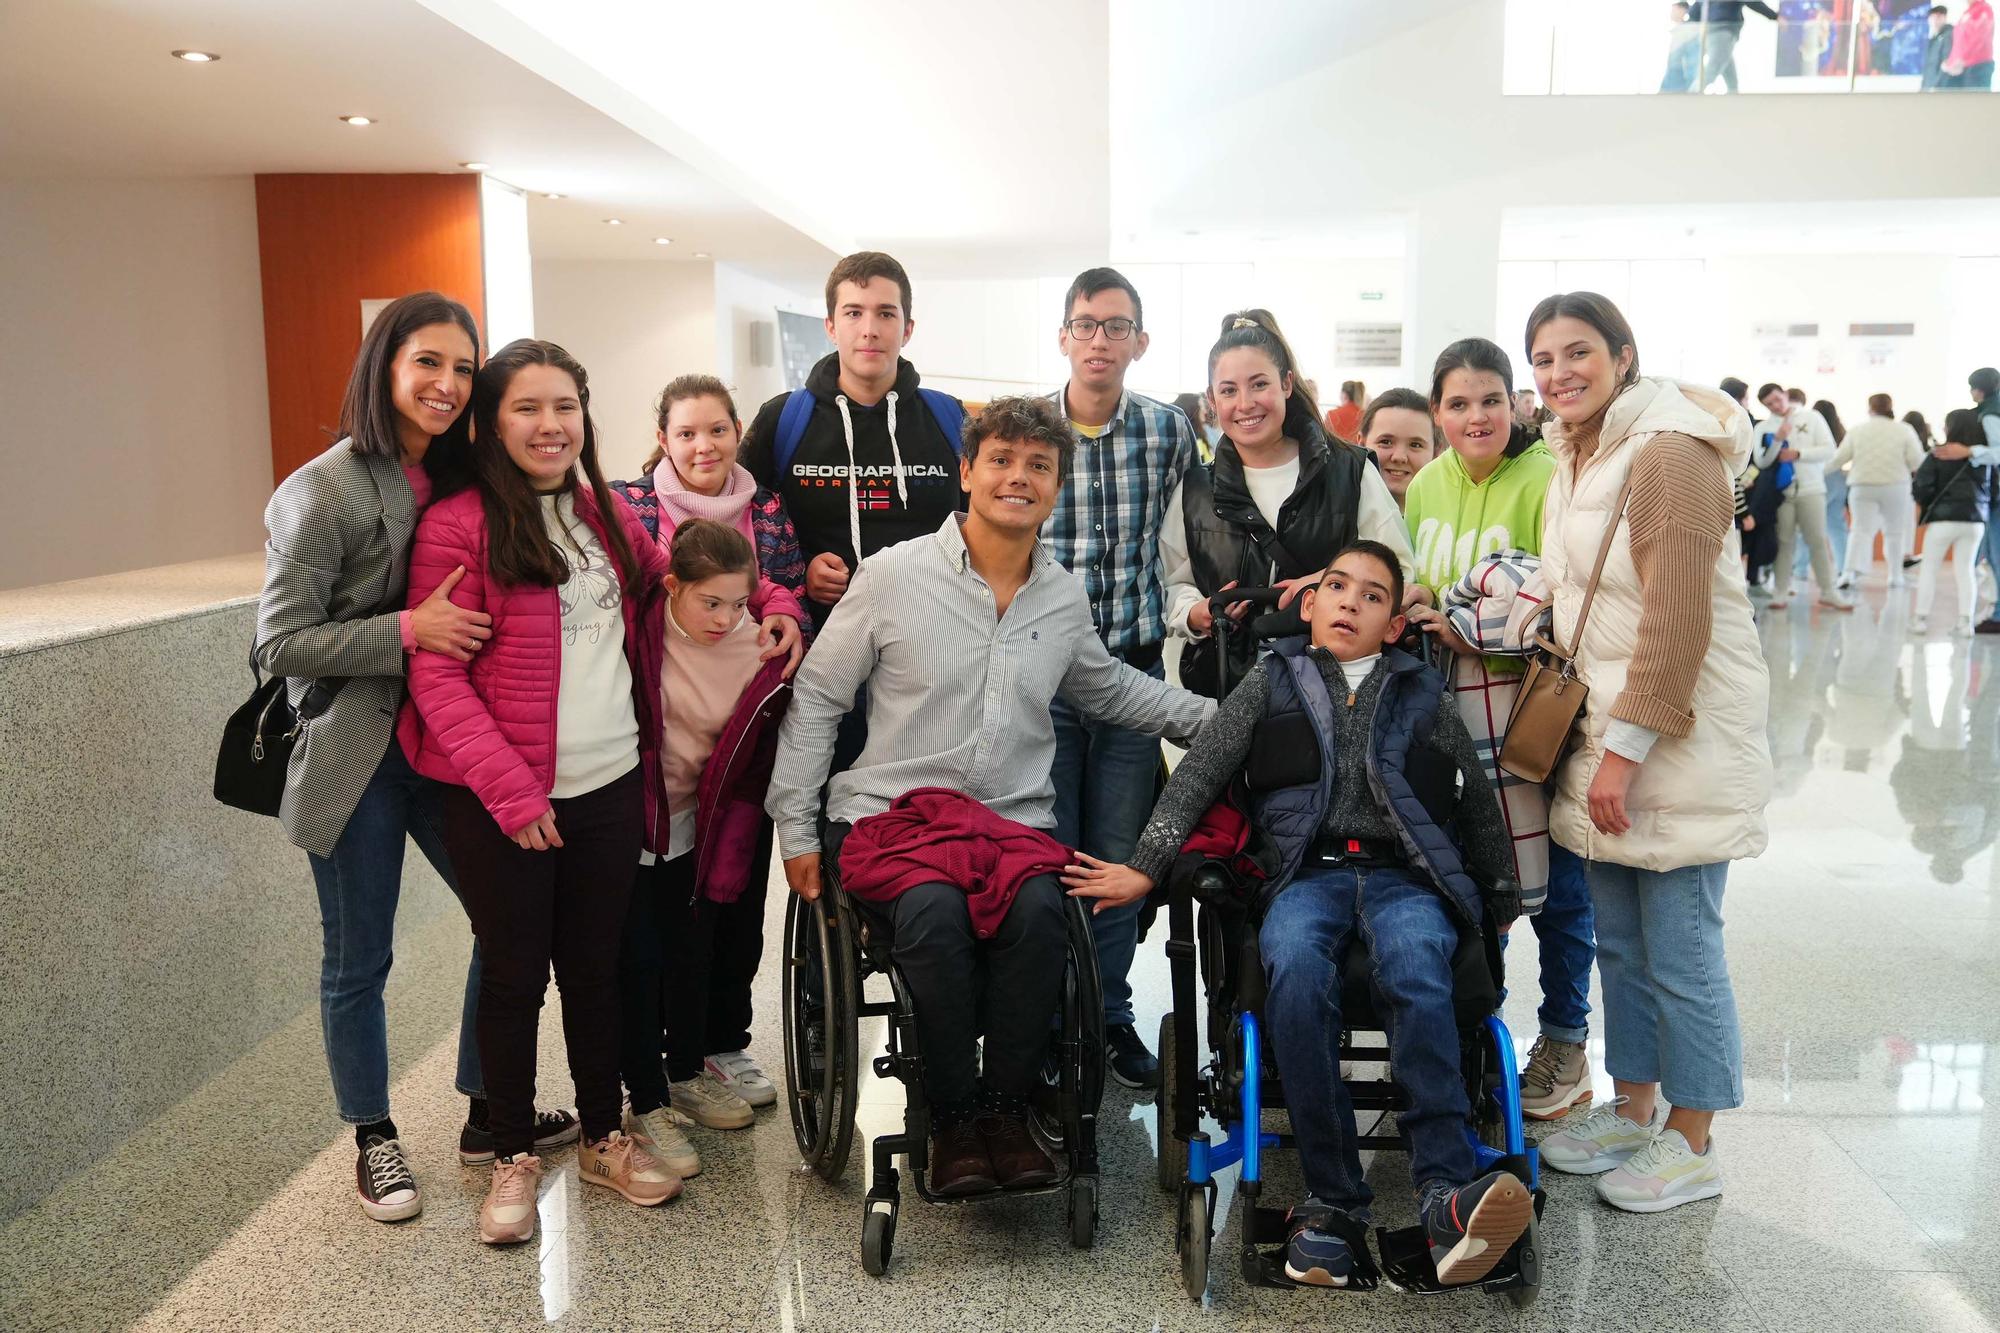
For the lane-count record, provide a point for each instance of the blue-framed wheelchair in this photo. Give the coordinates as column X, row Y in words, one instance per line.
column 834, row 947
column 1218, row 981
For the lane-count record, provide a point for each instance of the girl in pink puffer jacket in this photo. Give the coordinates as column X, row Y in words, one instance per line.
column 548, row 742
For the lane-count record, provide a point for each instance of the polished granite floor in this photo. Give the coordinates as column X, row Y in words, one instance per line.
column 1863, row 1175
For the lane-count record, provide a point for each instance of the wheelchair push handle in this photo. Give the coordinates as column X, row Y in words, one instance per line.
column 1259, row 599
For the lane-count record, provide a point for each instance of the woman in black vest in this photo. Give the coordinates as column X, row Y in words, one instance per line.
column 1272, row 509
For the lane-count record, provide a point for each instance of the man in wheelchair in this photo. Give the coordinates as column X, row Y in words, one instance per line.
column 1364, row 780
column 961, row 640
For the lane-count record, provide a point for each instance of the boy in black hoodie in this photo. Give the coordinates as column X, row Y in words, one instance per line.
column 870, row 459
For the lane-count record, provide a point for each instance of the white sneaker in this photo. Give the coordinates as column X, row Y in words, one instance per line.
column 1919, row 626
column 659, row 1128
column 711, row 1104
column 1962, row 630
column 738, row 1072
column 1665, row 1174
column 1601, row 1140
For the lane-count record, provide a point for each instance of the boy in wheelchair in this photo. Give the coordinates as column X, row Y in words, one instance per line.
column 1365, row 782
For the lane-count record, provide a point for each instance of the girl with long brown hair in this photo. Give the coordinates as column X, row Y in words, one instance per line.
column 548, row 745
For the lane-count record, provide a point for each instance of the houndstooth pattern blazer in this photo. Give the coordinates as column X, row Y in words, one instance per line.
column 339, row 552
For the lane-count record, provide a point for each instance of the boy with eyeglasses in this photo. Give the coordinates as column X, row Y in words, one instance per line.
column 1131, row 453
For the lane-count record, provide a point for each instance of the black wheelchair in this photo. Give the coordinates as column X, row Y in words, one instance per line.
column 833, row 946
column 1212, row 940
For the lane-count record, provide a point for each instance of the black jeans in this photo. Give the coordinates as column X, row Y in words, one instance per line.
column 1006, row 988
column 663, row 981
column 533, row 910
column 737, row 953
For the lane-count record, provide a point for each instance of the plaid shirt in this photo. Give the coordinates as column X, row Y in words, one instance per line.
column 1106, row 524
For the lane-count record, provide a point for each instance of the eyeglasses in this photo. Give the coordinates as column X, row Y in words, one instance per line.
column 1117, row 330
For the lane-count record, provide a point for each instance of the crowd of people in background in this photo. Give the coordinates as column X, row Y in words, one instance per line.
column 597, row 704
column 1957, row 53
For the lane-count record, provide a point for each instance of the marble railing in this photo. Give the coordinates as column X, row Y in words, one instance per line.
column 149, row 937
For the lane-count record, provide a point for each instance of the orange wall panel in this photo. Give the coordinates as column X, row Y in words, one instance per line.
column 329, row 242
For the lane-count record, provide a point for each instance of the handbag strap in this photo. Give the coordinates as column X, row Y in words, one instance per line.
column 1964, row 470
column 1597, row 571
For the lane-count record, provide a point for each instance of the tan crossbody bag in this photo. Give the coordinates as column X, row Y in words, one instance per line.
column 1552, row 694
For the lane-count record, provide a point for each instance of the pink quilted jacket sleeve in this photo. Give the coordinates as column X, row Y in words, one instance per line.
column 457, row 719
column 775, row 599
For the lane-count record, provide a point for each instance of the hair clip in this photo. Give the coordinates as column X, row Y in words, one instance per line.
column 1244, row 322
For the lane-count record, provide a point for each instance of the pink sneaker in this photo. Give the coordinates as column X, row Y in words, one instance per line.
column 620, row 1162
column 508, row 1215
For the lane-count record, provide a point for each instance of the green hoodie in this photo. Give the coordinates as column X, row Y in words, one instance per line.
column 1456, row 522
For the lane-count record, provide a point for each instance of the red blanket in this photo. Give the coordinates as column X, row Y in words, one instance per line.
column 936, row 836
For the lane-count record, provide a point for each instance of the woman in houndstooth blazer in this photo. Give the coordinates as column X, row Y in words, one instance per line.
column 331, row 613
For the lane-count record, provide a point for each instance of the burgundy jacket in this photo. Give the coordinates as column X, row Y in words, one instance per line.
column 937, row 836
column 729, row 799
column 490, row 724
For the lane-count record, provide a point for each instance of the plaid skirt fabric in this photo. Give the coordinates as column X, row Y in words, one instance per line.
column 1485, row 701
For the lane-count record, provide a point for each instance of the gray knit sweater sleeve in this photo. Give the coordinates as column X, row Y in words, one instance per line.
column 1218, row 755
column 1482, row 833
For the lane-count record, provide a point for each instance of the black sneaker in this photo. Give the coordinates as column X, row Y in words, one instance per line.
column 1314, row 1253
column 1131, row 1063
column 382, row 1181
column 553, row 1129
column 1472, row 1227
column 1990, row 625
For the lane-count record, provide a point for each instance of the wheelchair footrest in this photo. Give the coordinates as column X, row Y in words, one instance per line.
column 1265, row 1267
column 1406, row 1259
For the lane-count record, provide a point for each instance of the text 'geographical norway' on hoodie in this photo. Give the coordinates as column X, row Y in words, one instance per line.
column 1456, row 522
column 862, row 476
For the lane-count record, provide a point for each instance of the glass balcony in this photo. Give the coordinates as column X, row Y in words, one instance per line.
column 1623, row 47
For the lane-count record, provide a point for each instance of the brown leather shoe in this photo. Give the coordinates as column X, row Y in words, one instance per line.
column 959, row 1164
column 1018, row 1160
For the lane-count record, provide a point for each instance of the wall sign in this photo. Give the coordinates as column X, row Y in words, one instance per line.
column 1368, row 344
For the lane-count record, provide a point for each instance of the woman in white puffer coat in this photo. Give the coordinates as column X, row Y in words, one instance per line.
column 1669, row 777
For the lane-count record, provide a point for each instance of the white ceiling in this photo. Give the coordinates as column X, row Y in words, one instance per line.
column 87, row 88
column 945, row 132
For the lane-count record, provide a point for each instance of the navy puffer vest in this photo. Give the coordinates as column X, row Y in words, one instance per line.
column 1400, row 763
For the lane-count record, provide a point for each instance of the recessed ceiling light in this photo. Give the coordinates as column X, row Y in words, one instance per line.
column 663, row 240
column 197, row 57
column 358, row 121
column 614, row 222
column 701, row 254
column 551, row 194
column 473, row 166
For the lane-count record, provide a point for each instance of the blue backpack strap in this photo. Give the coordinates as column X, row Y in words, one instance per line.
column 792, row 421
column 949, row 414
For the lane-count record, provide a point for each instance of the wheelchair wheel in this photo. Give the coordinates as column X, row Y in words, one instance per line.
column 1171, row 1159
column 1083, row 1212
column 878, row 1238
column 820, row 1020
column 1191, row 1241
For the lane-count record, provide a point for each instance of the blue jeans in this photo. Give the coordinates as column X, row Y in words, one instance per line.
column 359, row 886
column 1105, row 778
column 1669, row 1011
column 1568, row 938
column 1989, row 551
column 1410, row 937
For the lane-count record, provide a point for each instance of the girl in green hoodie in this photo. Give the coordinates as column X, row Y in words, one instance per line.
column 1484, row 494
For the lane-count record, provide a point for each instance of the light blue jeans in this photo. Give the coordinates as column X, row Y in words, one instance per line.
column 1669, row 1011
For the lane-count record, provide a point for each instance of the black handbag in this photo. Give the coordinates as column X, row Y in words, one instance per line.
column 257, row 741
column 257, row 747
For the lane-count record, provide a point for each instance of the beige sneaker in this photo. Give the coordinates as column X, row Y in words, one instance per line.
column 508, row 1215
column 620, row 1162
column 1557, row 1079
column 659, row 1132
column 710, row 1103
